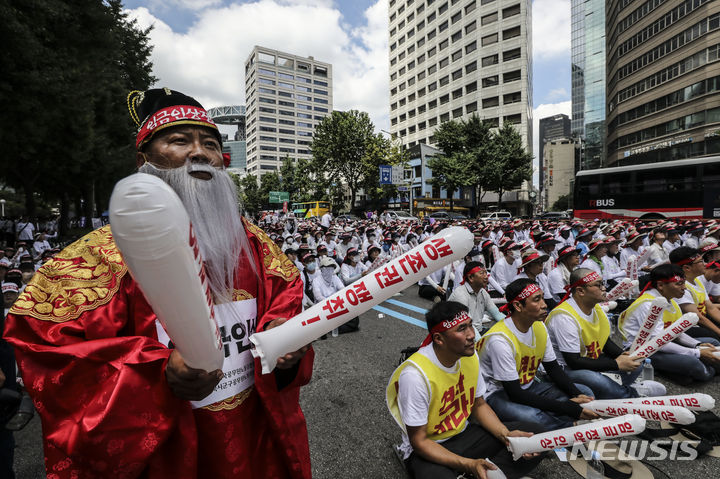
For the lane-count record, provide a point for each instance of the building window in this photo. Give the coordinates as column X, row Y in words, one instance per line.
column 470, row 27
column 490, row 60
column 432, row 104
column 471, row 107
column 444, row 80
column 457, row 93
column 512, row 119
column 489, row 39
column 511, row 76
column 445, row 117
column 457, row 112
column 457, row 74
column 444, row 62
column 457, row 55
column 471, row 87
column 511, row 33
column 488, row 19
column 432, row 52
column 470, row 7
column 456, row 18
column 509, row 98
column 456, row 36
column 470, row 67
column 511, row 11
column 511, row 54
column 490, row 81
column 471, row 47
column 491, row 102
column 444, row 44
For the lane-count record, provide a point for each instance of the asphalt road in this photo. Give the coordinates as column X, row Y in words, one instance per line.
column 351, row 433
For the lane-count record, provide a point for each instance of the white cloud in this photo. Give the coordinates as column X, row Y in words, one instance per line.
column 543, row 111
column 168, row 5
column 557, row 94
column 207, row 61
column 551, row 28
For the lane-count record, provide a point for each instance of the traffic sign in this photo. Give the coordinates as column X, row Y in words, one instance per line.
column 397, row 175
column 386, row 175
column 279, row 196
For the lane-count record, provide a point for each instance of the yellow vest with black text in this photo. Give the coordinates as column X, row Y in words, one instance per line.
column 451, row 394
column 669, row 316
column 699, row 295
column 527, row 358
column 593, row 336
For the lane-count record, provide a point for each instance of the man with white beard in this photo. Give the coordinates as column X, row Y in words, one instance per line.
column 116, row 399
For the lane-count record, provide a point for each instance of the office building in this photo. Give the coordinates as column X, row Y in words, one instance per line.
column 550, row 128
column 286, row 96
column 663, row 80
column 587, row 58
column 233, row 115
column 560, row 161
column 451, row 59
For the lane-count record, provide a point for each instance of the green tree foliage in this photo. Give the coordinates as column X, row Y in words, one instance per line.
column 382, row 152
column 68, row 66
column 509, row 163
column 342, row 146
column 249, row 193
column 450, row 172
column 563, row 203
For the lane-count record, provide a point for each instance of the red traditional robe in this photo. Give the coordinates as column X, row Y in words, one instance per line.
column 88, row 351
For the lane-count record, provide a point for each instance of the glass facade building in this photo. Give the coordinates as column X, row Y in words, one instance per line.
column 588, row 79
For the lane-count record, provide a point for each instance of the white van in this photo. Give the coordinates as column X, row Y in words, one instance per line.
column 496, row 216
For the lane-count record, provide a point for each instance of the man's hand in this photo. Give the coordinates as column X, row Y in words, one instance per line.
column 440, row 290
column 290, row 359
column 477, row 468
column 517, row 433
column 189, row 383
column 586, row 413
column 626, row 363
column 707, row 353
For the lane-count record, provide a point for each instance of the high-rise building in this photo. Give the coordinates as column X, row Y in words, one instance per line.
column 551, row 128
column 233, row 115
column 587, row 54
column 663, row 80
column 286, row 96
column 451, row 59
column 561, row 158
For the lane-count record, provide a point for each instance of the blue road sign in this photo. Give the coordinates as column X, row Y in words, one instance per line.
column 385, row 175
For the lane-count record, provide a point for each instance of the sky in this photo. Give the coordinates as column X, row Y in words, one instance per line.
column 200, row 48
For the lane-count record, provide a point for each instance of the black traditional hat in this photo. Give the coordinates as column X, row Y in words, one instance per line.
column 159, row 108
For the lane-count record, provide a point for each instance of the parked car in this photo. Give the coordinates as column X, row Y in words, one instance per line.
column 496, row 216
column 555, row 215
column 399, row 215
column 448, row 215
column 348, row 217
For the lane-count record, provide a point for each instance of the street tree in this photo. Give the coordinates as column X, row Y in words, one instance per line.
column 509, row 163
column 450, row 173
column 341, row 145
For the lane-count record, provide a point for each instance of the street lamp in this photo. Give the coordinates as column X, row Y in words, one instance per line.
column 2, row 207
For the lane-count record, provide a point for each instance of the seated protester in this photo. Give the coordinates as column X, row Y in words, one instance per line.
column 352, row 268
column 633, row 243
column 658, row 254
column 546, row 243
column 308, row 275
column 593, row 261
column 695, row 299
column 568, row 259
column 673, row 240
column 680, row 359
column 711, row 279
column 10, row 292
column 472, row 294
column 711, row 255
column 431, row 286
column 580, row 333
column 611, row 271
column 292, row 255
column 372, row 254
column 583, row 237
column 504, row 271
column 531, row 267
column 510, row 354
column 439, row 441
column 328, row 284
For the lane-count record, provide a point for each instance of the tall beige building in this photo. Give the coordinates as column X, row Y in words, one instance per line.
column 452, row 58
column 560, row 158
column 286, row 96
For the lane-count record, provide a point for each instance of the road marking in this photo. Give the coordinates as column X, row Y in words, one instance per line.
column 403, row 317
column 410, row 307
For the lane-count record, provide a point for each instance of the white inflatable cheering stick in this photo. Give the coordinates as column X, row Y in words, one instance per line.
column 153, row 232
column 693, row 402
column 685, row 322
column 445, row 247
column 651, row 412
column 627, row 425
column 620, row 289
column 657, row 307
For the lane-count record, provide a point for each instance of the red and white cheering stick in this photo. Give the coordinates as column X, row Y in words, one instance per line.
column 652, row 412
column 153, row 232
column 621, row 289
column 445, row 247
column 685, row 322
column 693, row 402
column 657, row 306
column 627, row 425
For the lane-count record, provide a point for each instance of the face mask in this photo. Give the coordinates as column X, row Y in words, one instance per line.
column 354, row 258
column 478, row 258
column 310, row 267
column 516, row 254
column 371, row 238
column 327, row 273
column 289, row 241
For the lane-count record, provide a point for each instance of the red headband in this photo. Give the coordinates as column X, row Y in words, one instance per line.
column 472, row 271
column 528, row 291
column 443, row 326
column 671, row 279
column 181, row 114
column 588, row 278
column 712, row 264
column 685, row 261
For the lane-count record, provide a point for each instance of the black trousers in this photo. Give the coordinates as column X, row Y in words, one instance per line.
column 702, row 332
column 476, row 443
column 428, row 292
